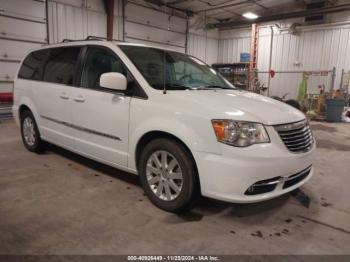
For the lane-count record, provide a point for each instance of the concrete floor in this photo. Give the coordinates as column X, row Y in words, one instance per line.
column 61, row 203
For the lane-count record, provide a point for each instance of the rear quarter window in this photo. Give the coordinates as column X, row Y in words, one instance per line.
column 33, row 64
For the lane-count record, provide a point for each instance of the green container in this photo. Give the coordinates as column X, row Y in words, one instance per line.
column 335, row 108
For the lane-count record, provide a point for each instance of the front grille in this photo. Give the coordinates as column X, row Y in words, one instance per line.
column 296, row 136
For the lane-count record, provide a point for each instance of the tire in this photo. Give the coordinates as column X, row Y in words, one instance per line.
column 165, row 196
column 30, row 133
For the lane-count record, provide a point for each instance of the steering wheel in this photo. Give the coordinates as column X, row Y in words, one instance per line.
column 188, row 76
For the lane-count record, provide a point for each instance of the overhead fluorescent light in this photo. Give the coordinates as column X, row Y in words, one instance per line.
column 250, row 15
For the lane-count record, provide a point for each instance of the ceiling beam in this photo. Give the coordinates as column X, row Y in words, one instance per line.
column 224, row 6
column 175, row 2
column 303, row 13
column 160, row 3
column 220, row 9
column 260, row 5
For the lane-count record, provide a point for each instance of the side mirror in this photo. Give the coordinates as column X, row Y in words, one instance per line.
column 114, row 81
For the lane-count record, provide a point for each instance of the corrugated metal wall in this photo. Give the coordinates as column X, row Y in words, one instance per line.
column 320, row 49
column 118, row 24
column 22, row 27
column 143, row 24
column 154, row 27
column 76, row 19
column 203, row 45
column 231, row 44
column 311, row 49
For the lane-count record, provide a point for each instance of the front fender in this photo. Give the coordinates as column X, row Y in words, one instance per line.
column 193, row 136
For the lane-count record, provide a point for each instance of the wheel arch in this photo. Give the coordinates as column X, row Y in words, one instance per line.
column 27, row 104
column 22, row 109
column 151, row 135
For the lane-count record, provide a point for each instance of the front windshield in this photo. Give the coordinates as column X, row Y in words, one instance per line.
column 175, row 70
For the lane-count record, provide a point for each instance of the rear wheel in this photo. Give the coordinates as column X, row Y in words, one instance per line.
column 168, row 175
column 30, row 133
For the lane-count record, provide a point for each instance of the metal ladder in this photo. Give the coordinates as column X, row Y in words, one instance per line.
column 253, row 56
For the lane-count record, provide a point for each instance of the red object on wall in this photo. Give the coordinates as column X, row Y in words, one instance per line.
column 272, row 73
column 6, row 97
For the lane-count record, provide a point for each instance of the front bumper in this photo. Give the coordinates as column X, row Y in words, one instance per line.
column 228, row 176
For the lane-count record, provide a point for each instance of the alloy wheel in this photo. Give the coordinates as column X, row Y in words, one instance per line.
column 29, row 131
column 164, row 175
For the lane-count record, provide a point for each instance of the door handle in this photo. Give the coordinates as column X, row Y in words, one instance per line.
column 64, row 96
column 79, row 98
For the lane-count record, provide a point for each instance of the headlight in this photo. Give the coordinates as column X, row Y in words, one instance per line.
column 238, row 133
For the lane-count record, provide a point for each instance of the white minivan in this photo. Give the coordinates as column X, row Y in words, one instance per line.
column 164, row 115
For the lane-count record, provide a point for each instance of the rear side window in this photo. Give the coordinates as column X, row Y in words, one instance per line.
column 33, row 64
column 61, row 65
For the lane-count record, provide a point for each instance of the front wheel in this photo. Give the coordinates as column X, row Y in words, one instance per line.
column 168, row 175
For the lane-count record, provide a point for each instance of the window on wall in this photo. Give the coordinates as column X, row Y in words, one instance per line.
column 61, row 65
column 99, row 61
column 32, row 65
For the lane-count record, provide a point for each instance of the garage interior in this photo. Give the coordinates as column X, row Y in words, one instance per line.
column 59, row 203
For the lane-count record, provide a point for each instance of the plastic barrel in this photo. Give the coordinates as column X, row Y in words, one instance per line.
column 335, row 109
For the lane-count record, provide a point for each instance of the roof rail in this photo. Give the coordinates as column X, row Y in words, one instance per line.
column 66, row 40
column 90, row 37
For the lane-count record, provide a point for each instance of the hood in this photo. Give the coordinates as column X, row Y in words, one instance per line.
column 240, row 105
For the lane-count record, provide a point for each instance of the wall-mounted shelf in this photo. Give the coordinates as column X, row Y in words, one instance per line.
column 236, row 73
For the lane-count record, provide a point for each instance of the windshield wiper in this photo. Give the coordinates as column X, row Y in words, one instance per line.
column 171, row 86
column 174, row 85
column 217, row 87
